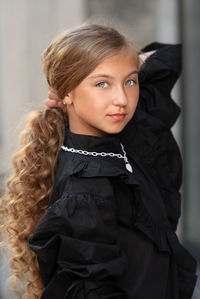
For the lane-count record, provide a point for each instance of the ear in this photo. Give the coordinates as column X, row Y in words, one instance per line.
column 68, row 99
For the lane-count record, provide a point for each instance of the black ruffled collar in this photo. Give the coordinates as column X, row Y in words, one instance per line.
column 92, row 143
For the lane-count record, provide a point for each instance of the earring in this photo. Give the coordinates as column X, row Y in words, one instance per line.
column 64, row 103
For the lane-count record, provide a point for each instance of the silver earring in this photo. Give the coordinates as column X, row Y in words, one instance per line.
column 64, row 103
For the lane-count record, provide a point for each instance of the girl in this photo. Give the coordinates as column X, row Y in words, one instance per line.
column 93, row 204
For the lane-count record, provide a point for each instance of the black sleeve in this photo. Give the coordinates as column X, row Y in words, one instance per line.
column 156, row 113
column 157, row 77
column 77, row 250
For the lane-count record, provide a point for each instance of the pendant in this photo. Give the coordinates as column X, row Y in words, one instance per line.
column 129, row 167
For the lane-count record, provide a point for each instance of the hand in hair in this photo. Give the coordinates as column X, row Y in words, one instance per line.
column 54, row 101
column 145, row 55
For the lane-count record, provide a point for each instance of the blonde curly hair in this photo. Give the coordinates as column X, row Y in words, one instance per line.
column 67, row 61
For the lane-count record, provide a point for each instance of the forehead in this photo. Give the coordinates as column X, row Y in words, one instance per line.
column 121, row 61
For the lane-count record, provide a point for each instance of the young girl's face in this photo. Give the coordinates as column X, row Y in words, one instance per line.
column 105, row 101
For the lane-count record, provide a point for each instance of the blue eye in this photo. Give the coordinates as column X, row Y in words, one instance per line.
column 130, row 82
column 102, row 84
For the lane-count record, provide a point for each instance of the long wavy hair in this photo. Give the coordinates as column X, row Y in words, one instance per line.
column 67, row 61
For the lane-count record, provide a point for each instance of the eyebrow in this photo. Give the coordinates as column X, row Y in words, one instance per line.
column 108, row 76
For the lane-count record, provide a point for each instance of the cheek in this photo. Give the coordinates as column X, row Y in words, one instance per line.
column 89, row 99
column 89, row 107
column 96, row 103
column 134, row 97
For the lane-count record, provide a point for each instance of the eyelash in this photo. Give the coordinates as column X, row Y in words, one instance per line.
column 100, row 83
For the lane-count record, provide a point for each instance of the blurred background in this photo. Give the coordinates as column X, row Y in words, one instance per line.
column 26, row 29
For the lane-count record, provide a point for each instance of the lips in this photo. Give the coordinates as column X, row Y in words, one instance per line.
column 118, row 116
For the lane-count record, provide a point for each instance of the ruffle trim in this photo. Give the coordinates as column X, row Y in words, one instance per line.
column 164, row 238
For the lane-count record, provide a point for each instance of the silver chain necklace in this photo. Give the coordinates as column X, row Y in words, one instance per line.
column 102, row 154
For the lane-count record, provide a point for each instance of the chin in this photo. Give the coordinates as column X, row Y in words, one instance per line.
column 116, row 130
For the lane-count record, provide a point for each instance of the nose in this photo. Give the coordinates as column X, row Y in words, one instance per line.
column 120, row 97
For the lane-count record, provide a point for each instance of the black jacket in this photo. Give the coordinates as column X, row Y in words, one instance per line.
column 109, row 233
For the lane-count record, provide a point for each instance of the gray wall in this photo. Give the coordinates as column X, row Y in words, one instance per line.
column 190, row 11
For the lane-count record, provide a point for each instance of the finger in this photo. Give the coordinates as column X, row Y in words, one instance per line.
column 53, row 96
column 51, row 103
column 145, row 55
